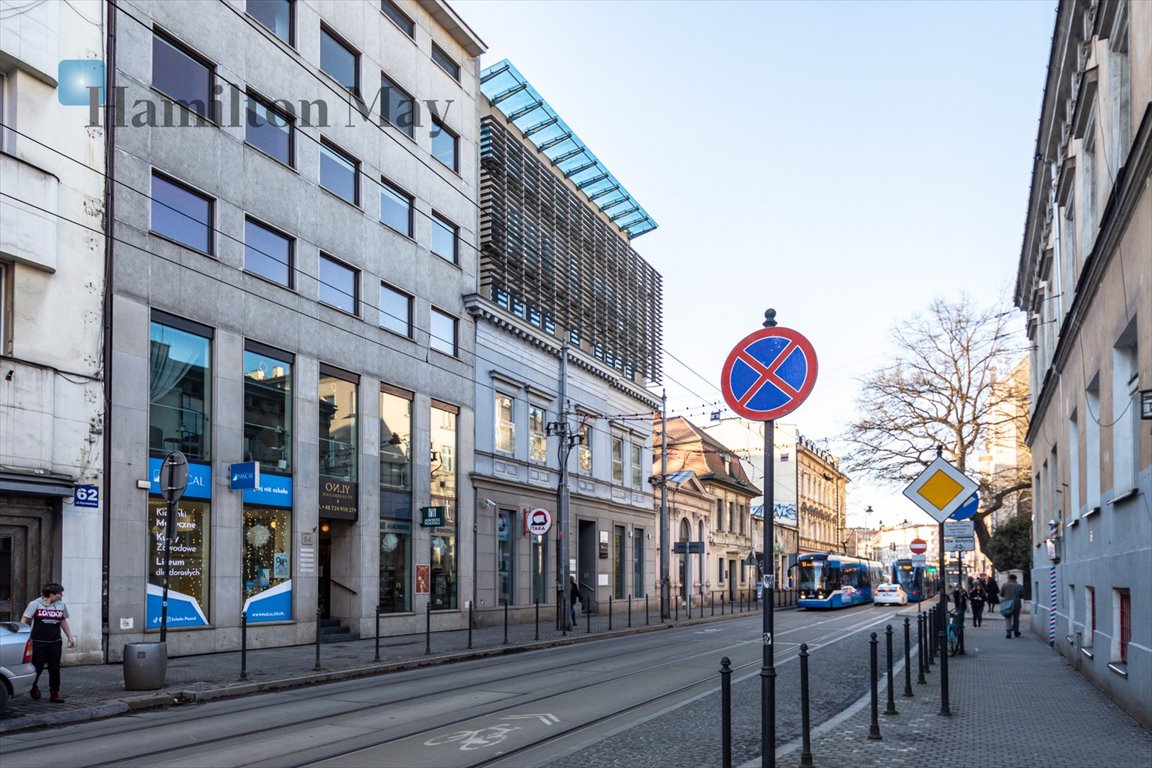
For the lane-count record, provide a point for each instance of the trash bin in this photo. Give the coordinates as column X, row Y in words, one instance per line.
column 145, row 665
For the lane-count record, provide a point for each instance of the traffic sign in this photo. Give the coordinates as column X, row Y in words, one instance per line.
column 968, row 508
column 940, row 489
column 920, row 560
column 769, row 373
column 918, row 546
column 960, row 544
column 539, row 521
column 955, row 529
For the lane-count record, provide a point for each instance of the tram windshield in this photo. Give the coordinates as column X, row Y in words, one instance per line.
column 906, row 576
column 816, row 576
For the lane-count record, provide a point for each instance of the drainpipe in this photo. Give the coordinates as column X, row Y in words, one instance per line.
column 109, row 231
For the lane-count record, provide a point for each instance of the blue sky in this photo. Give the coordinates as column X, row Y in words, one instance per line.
column 843, row 162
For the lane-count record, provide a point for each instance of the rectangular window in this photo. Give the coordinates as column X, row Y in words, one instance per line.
column 720, row 570
column 637, row 465
column 1089, row 616
column 638, row 562
column 269, row 130
column 267, row 253
column 395, row 311
column 339, row 173
column 1071, row 591
column 505, row 556
column 446, row 62
column 339, row 60
column 181, row 215
column 505, row 424
column 619, row 561
column 182, row 76
column 617, row 459
column 584, row 452
column 276, row 15
column 338, row 406
column 397, row 106
column 541, row 580
column 396, row 208
column 537, row 435
column 180, row 387
column 444, row 236
column 444, row 145
column 1125, row 412
column 192, row 577
column 731, row 517
column 339, row 285
column 442, row 333
column 1121, row 624
column 719, row 514
column 742, row 516
column 399, row 18
column 1073, row 466
column 396, row 452
column 395, row 566
column 443, row 573
column 267, row 548
column 1092, row 444
column 268, row 408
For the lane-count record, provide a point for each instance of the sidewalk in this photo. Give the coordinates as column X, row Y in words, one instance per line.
column 1015, row 703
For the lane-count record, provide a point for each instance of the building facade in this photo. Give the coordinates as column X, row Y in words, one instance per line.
column 295, row 228
column 1085, row 282
column 822, row 491
column 53, row 499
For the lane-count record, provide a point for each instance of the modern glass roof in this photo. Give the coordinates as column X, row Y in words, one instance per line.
column 508, row 91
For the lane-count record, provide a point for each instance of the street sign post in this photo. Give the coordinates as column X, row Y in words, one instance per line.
column 918, row 546
column 768, row 374
column 173, row 482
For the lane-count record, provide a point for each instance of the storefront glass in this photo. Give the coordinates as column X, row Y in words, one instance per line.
column 188, row 563
column 267, row 563
column 180, row 395
column 443, row 494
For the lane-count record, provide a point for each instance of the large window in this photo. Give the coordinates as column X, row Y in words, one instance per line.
column 1121, row 624
column 443, row 494
column 339, row 173
column 268, row 407
column 537, row 435
column 444, row 145
column 269, row 130
column 505, row 423
column 267, row 562
column 638, row 562
column 1092, row 443
column 619, row 559
column 1125, row 412
column 395, row 566
column 189, row 563
column 584, row 451
column 182, row 76
column 637, row 465
column 180, row 378
column 446, row 62
column 395, row 500
column 399, row 18
column 396, row 208
column 338, row 428
column 442, row 332
column 180, row 214
column 395, row 310
column 339, row 60
column 339, row 284
column 444, row 238
column 267, row 253
column 397, row 106
column 618, row 459
column 276, row 15
column 505, row 556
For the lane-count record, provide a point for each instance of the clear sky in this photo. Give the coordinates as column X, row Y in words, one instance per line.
column 845, row 163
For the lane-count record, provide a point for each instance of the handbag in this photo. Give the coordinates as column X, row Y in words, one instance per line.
column 1007, row 606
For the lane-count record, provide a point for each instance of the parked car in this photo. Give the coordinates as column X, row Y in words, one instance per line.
column 16, row 671
column 890, row 594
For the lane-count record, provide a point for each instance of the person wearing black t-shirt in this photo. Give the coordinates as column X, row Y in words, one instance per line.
column 48, row 616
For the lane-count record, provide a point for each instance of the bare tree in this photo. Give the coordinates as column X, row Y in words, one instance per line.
column 945, row 388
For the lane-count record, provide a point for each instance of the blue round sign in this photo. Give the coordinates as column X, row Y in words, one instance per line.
column 769, row 373
column 968, row 508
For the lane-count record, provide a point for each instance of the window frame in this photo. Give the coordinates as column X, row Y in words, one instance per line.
column 637, row 465
column 537, row 438
column 387, row 187
column 433, row 338
column 289, row 265
column 503, row 429
column 174, row 43
column 334, row 149
column 327, row 257
column 618, row 459
column 409, row 299
column 442, row 129
column 287, row 427
column 391, row 11
column 291, row 39
column 211, row 228
column 387, row 83
column 453, row 230
column 455, row 71
column 288, row 120
column 341, row 41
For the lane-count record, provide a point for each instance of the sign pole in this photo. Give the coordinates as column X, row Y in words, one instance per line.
column 768, row 671
column 173, row 481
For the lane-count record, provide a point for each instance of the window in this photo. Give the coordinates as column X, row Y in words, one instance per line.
column 446, row 62
column 266, row 544
column 637, row 466
column 731, row 517
column 182, row 76
column 338, row 285
column 638, row 562
column 181, row 215
column 444, row 145
column 396, row 452
column 192, row 579
column 5, row 276
column 1092, row 444
column 740, row 513
column 619, row 561
column 180, row 388
column 442, row 334
column 399, row 18
column 1089, row 616
column 268, row 407
column 1121, row 624
column 339, row 424
column 1073, row 466
column 719, row 514
column 397, row 107
column 339, row 173
column 505, row 424
column 339, row 60
column 442, row 557
column 505, row 558
column 1125, row 412
column 537, row 435
column 617, row 459
column 444, row 235
column 396, row 208
column 269, row 130
column 395, row 310
column 267, row 253
column 276, row 15
column 584, row 452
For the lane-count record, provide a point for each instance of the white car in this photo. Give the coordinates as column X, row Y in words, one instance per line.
column 16, row 671
column 890, row 594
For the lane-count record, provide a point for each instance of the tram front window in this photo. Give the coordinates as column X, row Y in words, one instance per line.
column 816, row 579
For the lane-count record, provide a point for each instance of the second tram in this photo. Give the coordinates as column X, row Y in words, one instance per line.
column 920, row 582
column 836, row 581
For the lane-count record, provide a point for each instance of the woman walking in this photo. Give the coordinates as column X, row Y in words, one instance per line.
column 977, row 598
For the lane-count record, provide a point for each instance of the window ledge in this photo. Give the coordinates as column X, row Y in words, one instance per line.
column 1119, row 668
column 1125, row 495
column 1087, row 652
column 1092, row 511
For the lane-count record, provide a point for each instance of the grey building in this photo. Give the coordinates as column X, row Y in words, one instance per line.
column 295, row 226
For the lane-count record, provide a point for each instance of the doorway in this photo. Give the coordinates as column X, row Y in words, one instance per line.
column 324, row 571
column 28, row 532
column 586, row 556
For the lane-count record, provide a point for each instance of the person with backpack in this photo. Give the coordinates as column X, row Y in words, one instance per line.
column 1010, row 607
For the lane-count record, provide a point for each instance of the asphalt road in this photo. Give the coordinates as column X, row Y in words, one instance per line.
column 647, row 699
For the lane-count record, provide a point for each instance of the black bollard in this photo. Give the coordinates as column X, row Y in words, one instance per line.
column 874, row 725
column 726, row 712
column 805, row 715
column 505, row 622
column 907, row 656
column 471, row 620
column 645, row 609
column 629, row 611
column 609, row 613
column 243, row 645
column 942, row 644
column 676, row 607
column 428, row 627
column 712, row 602
column 316, row 667
column 588, row 617
column 537, row 620
column 377, row 656
column 921, row 661
column 891, row 708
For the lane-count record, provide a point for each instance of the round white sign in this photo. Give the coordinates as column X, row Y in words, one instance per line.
column 539, row 521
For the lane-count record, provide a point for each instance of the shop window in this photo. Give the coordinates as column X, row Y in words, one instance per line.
column 443, row 570
column 267, row 563
column 268, row 409
column 180, row 395
column 505, row 556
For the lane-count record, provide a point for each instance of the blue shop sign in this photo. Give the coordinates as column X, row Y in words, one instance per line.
column 199, row 479
column 274, row 491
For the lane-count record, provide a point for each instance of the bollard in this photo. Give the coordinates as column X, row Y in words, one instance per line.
column 712, row 602
column 907, row 656
column 588, row 617
column 471, row 619
column 676, row 607
column 319, row 613
column 377, row 656
column 537, row 620
column 921, row 661
column 645, row 609
column 942, row 644
column 726, row 712
column 805, row 718
column 505, row 622
column 891, row 708
column 629, row 611
column 688, row 603
column 931, row 636
column 609, row 613
column 721, row 603
column 960, row 632
column 874, row 725
column 428, row 627
column 243, row 645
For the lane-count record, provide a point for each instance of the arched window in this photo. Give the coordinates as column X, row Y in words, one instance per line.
column 685, row 530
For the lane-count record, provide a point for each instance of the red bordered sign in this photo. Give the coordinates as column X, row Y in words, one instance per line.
column 769, row 374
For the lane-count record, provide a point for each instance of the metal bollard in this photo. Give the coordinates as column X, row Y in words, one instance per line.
column 588, row 617
column 428, row 627
column 688, row 603
column 629, row 611
column 676, row 607
column 874, row 725
column 471, row 620
column 319, row 613
column 726, row 712
column 537, row 620
column 805, row 715
column 921, row 654
column 712, row 602
column 377, row 656
column 907, row 656
column 645, row 609
column 891, row 708
column 505, row 622
column 609, row 613
column 243, row 645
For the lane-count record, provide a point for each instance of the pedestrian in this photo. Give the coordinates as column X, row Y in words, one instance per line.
column 992, row 590
column 1010, row 606
column 574, row 590
column 48, row 616
column 977, row 598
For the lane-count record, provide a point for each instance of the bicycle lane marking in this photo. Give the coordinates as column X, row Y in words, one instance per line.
column 488, row 736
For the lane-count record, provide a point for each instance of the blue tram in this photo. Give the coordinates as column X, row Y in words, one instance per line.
column 836, row 581
column 920, row 582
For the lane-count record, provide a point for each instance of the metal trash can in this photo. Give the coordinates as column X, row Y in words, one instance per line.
column 145, row 665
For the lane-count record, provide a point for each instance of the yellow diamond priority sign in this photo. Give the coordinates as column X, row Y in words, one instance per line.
column 940, row 489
